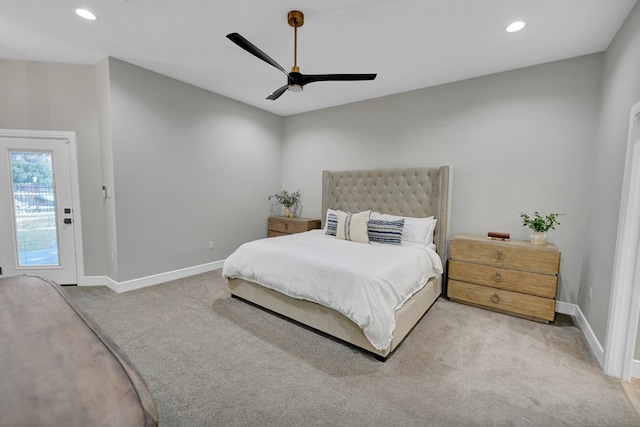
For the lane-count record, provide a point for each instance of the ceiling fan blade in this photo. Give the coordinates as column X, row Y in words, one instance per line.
column 252, row 49
column 310, row 78
column 277, row 93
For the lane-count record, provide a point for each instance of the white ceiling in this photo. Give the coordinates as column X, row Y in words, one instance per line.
column 411, row 44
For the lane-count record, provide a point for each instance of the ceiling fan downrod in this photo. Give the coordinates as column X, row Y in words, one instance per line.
column 295, row 19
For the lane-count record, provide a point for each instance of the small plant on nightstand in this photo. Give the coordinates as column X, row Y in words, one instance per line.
column 288, row 200
column 539, row 225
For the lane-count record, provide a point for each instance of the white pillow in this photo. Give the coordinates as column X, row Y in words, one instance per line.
column 431, row 231
column 416, row 230
column 353, row 226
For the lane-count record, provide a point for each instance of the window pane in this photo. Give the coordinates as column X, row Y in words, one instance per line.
column 34, row 207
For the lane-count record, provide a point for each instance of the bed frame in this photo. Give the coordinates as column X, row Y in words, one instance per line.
column 416, row 192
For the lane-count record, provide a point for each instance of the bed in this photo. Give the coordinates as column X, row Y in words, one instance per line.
column 58, row 368
column 412, row 192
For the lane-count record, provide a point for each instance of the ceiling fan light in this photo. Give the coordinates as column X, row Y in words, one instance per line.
column 515, row 26
column 86, row 14
column 295, row 88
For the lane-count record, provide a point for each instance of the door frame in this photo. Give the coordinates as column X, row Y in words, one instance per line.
column 70, row 137
column 624, row 304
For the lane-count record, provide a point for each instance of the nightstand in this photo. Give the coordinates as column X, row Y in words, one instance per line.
column 280, row 226
column 513, row 277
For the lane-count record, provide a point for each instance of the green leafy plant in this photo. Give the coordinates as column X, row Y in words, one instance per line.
column 539, row 223
column 287, row 199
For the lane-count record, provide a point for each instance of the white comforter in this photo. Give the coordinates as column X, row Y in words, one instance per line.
column 366, row 283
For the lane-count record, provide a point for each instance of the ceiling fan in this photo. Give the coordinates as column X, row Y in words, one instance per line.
column 295, row 79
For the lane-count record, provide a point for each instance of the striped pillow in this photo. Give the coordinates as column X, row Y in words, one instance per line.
column 332, row 224
column 353, row 226
column 387, row 232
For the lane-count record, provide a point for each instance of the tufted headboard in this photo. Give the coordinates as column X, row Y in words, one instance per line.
column 416, row 192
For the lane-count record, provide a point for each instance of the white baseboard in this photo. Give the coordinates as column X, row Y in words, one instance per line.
column 594, row 344
column 566, row 308
column 143, row 282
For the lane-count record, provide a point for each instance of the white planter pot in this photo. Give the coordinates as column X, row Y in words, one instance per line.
column 539, row 238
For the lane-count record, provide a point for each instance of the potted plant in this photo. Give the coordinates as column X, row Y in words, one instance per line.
column 540, row 225
column 288, row 200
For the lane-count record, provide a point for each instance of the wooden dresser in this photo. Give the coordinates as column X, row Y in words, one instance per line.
column 279, row 225
column 513, row 277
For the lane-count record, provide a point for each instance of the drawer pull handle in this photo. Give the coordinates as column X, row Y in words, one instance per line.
column 499, row 255
column 495, row 298
column 286, row 226
column 497, row 277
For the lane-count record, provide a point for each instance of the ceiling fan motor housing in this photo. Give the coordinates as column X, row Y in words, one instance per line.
column 296, row 81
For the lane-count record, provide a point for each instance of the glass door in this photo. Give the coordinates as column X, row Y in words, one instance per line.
column 36, row 218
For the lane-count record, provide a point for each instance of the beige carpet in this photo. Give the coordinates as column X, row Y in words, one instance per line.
column 212, row 360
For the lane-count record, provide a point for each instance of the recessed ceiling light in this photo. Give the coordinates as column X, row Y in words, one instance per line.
column 86, row 14
column 516, row 26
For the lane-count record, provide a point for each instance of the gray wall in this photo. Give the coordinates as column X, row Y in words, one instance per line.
column 186, row 166
column 48, row 96
column 620, row 91
column 189, row 167
column 106, row 164
column 521, row 140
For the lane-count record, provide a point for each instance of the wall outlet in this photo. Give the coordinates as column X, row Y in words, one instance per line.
column 590, row 292
column 113, row 258
column 211, row 245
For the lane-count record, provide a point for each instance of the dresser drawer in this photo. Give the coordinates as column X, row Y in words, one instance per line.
column 527, row 282
column 529, row 306
column 520, row 255
column 279, row 226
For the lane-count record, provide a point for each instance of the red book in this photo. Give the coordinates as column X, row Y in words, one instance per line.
column 498, row 235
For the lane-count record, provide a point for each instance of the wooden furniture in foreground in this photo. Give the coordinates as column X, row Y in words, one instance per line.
column 58, row 368
column 513, row 277
column 279, row 225
column 417, row 192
